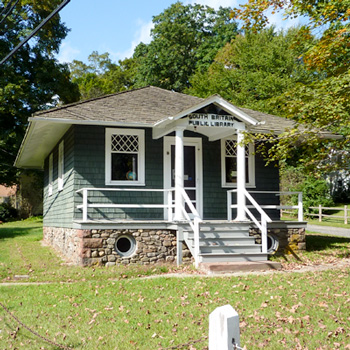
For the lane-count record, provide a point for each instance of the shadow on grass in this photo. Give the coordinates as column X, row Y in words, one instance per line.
column 12, row 232
column 320, row 242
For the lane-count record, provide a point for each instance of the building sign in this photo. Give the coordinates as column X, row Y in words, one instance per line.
column 215, row 120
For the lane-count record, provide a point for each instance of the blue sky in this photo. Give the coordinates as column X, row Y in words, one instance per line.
column 118, row 26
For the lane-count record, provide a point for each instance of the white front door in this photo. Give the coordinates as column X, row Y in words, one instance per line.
column 192, row 169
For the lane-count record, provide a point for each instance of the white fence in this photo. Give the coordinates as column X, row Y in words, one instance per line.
column 321, row 214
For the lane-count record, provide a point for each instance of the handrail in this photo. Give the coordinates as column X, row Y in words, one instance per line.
column 257, row 206
column 265, row 219
column 193, row 224
column 86, row 204
column 299, row 206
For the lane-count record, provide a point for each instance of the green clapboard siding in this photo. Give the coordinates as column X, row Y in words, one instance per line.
column 59, row 207
column 90, row 172
column 84, row 159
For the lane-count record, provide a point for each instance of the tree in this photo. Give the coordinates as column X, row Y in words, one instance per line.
column 253, row 68
column 31, row 78
column 320, row 105
column 101, row 76
column 332, row 52
column 184, row 38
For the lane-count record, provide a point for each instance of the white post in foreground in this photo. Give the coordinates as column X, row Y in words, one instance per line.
column 300, row 207
column 223, row 328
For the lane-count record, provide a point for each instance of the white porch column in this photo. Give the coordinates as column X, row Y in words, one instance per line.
column 241, row 202
column 179, row 173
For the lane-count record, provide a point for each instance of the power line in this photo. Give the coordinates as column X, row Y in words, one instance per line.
column 9, row 11
column 47, row 19
column 5, row 8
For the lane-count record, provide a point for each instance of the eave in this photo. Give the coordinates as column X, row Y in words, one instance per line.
column 43, row 134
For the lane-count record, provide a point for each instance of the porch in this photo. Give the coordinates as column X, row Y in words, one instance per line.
column 209, row 241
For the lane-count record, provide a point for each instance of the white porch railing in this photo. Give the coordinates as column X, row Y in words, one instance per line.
column 194, row 223
column 264, row 218
column 298, row 207
column 87, row 201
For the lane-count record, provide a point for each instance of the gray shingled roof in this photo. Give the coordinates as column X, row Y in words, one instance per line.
column 146, row 105
column 271, row 123
column 141, row 107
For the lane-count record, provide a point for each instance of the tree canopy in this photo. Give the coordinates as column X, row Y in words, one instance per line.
column 101, row 76
column 322, row 104
column 31, row 77
column 185, row 38
column 253, row 68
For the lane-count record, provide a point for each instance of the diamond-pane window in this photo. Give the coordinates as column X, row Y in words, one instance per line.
column 231, row 148
column 229, row 163
column 124, row 156
column 125, row 143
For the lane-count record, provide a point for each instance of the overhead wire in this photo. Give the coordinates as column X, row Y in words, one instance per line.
column 9, row 11
column 4, row 8
column 59, row 8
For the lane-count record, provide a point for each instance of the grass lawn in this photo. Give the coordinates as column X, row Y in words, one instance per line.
column 126, row 308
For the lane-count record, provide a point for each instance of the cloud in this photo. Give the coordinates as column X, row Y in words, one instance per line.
column 67, row 53
column 142, row 34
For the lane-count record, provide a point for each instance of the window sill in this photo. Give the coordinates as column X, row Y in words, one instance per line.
column 235, row 186
column 124, row 183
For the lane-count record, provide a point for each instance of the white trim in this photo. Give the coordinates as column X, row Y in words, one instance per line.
column 187, row 141
column 88, row 122
column 179, row 174
column 140, row 158
column 50, row 191
column 228, row 107
column 251, row 165
column 60, row 176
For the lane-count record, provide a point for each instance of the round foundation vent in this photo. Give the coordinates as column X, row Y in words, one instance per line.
column 125, row 245
column 272, row 244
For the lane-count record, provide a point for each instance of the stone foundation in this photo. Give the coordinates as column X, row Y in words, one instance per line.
column 97, row 246
column 91, row 247
column 291, row 239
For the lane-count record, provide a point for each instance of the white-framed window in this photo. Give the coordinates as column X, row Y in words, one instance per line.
column 229, row 163
column 50, row 174
column 125, row 157
column 60, row 178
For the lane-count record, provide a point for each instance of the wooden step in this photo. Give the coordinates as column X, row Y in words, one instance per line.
column 220, row 235
column 232, row 257
column 226, row 240
column 230, row 248
column 232, row 267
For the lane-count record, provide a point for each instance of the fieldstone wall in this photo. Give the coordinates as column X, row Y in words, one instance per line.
column 91, row 247
column 291, row 239
column 67, row 242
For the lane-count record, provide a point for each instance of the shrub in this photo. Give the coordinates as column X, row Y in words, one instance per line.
column 315, row 192
column 7, row 212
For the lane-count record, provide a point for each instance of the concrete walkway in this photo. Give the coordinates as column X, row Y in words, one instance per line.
column 335, row 231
